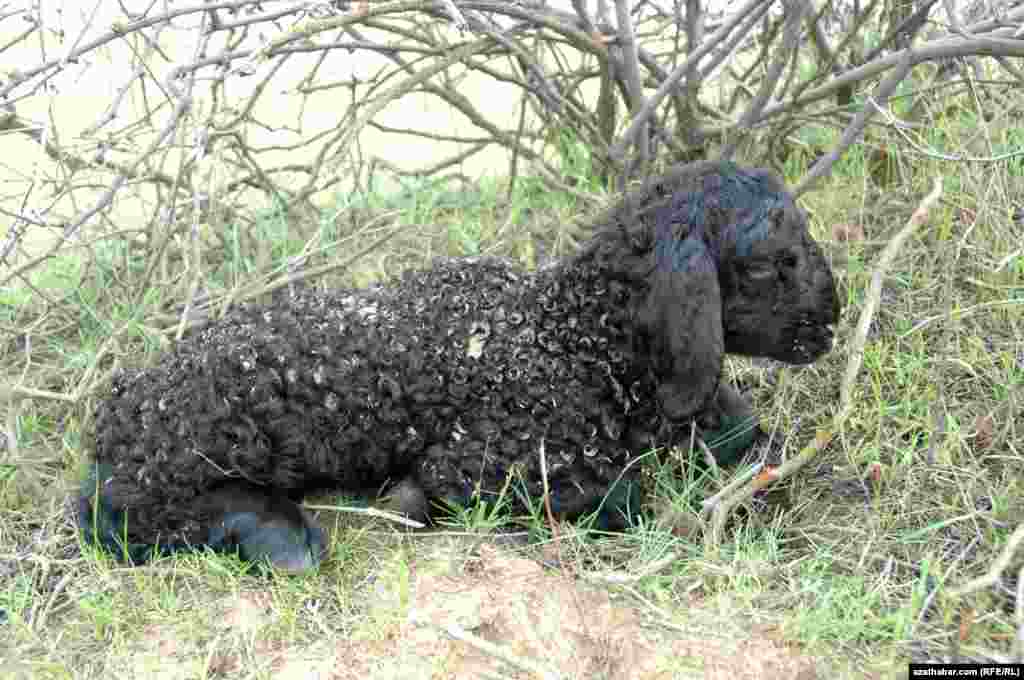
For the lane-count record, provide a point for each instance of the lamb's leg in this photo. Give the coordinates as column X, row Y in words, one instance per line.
column 608, row 507
column 103, row 523
column 731, row 426
column 267, row 528
column 440, row 477
column 406, row 498
column 261, row 526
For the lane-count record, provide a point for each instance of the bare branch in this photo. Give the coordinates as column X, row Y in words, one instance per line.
column 995, row 572
column 672, row 81
column 631, row 74
column 791, row 40
column 856, row 127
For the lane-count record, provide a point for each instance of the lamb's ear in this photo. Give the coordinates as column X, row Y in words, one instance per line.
column 683, row 320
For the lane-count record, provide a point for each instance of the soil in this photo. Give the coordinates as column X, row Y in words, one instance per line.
column 494, row 614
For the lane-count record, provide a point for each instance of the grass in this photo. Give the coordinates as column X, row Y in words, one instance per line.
column 853, row 558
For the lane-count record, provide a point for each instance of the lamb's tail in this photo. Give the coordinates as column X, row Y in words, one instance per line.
column 105, row 525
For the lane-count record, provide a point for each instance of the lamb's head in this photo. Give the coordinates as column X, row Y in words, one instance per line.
column 728, row 266
column 778, row 294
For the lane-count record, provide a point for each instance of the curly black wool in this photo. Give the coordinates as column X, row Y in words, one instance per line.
column 455, row 376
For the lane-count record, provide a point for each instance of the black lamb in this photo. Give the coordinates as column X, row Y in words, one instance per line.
column 452, row 380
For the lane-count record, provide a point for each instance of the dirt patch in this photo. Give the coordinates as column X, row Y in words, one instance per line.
column 550, row 624
column 458, row 613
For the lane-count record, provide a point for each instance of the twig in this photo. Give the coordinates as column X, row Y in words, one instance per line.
column 790, row 42
column 991, row 577
column 117, row 32
column 620, row 578
column 547, row 501
column 456, row 15
column 856, row 127
column 930, row 51
column 370, row 512
column 725, row 505
column 10, row 434
column 1018, row 611
column 42, row 613
column 8, row 391
column 709, row 458
column 961, row 313
column 907, row 29
column 466, row 534
column 458, row 54
column 457, row 632
column 85, row 383
column 930, row 597
column 289, row 279
column 874, row 294
column 696, row 20
column 709, row 504
column 938, row 429
column 200, row 144
column 670, row 83
column 181, row 108
column 256, row 287
column 631, row 76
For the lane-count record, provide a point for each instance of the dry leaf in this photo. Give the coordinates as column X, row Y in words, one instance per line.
column 681, row 523
column 848, row 232
column 984, row 431
column 966, row 621
column 875, row 472
column 966, row 216
column 222, row 664
column 769, row 474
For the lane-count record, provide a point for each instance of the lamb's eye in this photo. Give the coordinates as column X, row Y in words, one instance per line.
column 761, row 271
column 788, row 260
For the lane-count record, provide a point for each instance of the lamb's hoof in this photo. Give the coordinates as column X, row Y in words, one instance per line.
column 736, row 427
column 731, row 441
column 104, row 524
column 620, row 507
column 266, row 529
column 407, row 498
